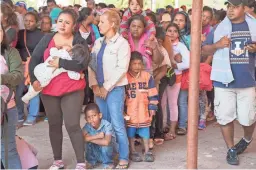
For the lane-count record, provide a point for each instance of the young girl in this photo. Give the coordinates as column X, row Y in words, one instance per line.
column 172, row 92
column 45, row 74
column 141, row 102
column 135, row 7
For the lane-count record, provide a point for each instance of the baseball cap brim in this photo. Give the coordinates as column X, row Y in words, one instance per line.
column 235, row 3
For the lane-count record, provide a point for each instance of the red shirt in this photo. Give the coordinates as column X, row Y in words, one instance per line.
column 61, row 84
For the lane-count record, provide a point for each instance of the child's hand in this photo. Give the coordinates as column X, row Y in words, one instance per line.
column 101, row 135
column 203, row 37
column 152, row 113
column 125, row 36
column 82, row 75
column 152, row 37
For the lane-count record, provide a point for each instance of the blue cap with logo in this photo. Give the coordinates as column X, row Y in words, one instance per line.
column 21, row 4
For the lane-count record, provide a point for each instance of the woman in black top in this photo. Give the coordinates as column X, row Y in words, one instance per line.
column 27, row 41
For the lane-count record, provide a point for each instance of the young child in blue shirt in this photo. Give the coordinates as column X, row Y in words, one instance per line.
column 99, row 138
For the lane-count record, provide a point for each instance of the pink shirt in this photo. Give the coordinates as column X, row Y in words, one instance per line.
column 142, row 49
column 61, row 84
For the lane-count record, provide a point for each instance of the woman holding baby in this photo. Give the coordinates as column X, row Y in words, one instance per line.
column 63, row 96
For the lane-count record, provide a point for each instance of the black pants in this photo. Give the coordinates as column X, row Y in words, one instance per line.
column 89, row 96
column 210, row 96
column 156, row 130
column 67, row 108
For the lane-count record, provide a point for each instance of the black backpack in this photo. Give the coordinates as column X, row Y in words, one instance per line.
column 169, row 78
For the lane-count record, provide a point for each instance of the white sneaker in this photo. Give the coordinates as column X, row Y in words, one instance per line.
column 80, row 166
column 57, row 165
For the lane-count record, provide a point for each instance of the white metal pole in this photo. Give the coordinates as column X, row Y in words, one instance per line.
column 176, row 3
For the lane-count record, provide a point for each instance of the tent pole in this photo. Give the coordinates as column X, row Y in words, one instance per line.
column 193, row 99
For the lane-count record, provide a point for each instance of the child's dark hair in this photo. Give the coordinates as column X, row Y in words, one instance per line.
column 135, row 55
column 91, row 106
column 152, row 15
column 176, row 26
column 187, row 21
column 80, row 54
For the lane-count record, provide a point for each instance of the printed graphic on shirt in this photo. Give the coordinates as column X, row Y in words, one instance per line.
column 132, row 87
column 239, row 40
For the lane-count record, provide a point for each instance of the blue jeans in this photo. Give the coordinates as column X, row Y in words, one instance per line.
column 13, row 156
column 19, row 103
column 112, row 109
column 33, row 107
column 183, row 108
column 96, row 153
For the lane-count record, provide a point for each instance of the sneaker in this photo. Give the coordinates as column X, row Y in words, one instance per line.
column 29, row 123
column 80, row 166
column 232, row 157
column 57, row 165
column 202, row 125
column 241, row 146
column 20, row 120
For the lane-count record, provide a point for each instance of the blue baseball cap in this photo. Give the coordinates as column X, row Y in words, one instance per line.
column 21, row 4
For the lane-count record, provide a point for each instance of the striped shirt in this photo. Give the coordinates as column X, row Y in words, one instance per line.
column 150, row 27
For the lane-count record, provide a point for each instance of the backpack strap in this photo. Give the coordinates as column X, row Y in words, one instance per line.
column 25, row 42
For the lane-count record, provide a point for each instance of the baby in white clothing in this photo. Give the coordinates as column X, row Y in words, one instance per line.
column 45, row 74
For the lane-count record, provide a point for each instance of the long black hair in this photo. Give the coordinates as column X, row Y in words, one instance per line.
column 4, row 43
column 83, row 14
column 187, row 21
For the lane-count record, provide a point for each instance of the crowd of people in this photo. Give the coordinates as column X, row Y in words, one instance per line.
column 128, row 71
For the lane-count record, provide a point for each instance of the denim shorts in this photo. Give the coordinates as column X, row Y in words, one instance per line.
column 142, row 132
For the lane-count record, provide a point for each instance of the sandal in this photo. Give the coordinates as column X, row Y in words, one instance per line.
column 158, row 141
column 181, row 131
column 169, row 136
column 124, row 166
column 149, row 157
column 135, row 157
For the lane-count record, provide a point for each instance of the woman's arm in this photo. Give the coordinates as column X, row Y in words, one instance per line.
column 15, row 75
column 159, row 73
column 124, row 24
column 37, row 56
column 74, row 65
column 123, row 60
column 12, row 37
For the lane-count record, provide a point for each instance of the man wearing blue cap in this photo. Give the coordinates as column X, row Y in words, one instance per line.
column 21, row 7
column 233, row 47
